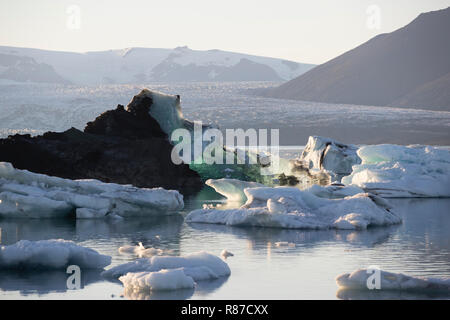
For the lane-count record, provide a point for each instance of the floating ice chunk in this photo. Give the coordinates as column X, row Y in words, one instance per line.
column 391, row 281
column 289, row 207
column 199, row 266
column 232, row 189
column 50, row 254
column 399, row 171
column 31, row 195
column 327, row 155
column 225, row 254
column 140, row 250
column 172, row 279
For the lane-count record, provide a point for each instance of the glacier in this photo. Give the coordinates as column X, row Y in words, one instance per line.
column 50, row 254
column 391, row 281
column 402, row 171
column 292, row 208
column 24, row 194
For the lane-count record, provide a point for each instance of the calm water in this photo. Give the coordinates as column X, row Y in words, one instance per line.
column 260, row 270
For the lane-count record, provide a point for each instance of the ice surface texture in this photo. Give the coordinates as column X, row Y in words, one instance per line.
column 400, row 171
column 50, row 254
column 391, row 281
column 159, row 280
column 314, row 208
column 329, row 155
column 24, row 194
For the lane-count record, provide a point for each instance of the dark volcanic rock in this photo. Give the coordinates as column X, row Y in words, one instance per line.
column 120, row 146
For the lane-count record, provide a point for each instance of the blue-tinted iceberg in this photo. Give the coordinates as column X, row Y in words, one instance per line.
column 400, row 171
column 50, row 254
column 24, row 194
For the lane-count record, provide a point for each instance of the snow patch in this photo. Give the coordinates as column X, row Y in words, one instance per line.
column 160, row 280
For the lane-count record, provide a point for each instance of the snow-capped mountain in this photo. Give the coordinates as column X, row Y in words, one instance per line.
column 137, row 65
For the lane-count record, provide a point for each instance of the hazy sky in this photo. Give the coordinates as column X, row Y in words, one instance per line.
column 306, row 31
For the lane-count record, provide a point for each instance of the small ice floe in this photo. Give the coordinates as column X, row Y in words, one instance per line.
column 225, row 254
column 165, row 279
column 315, row 208
column 50, row 254
column 401, row 171
column 24, row 194
column 140, row 250
column 390, row 281
column 198, row 266
column 232, row 189
column 285, row 244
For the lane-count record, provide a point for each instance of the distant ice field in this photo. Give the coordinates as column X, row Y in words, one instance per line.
column 36, row 108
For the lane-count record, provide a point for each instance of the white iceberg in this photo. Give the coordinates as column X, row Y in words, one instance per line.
column 289, row 207
column 326, row 155
column 50, row 254
column 24, row 194
column 198, row 266
column 173, row 279
column 400, row 171
column 390, row 281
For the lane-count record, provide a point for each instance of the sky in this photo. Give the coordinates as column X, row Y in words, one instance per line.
column 303, row 31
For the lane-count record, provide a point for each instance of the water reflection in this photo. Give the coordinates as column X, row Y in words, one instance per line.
column 43, row 282
column 258, row 237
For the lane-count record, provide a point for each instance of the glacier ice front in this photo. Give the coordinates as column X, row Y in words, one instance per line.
column 390, row 281
column 314, row 208
column 24, row 194
column 402, row 171
column 50, row 254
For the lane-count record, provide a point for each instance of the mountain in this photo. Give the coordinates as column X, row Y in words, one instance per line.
column 26, row 69
column 137, row 65
column 407, row 67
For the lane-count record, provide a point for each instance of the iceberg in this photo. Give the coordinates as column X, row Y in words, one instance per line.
column 402, row 171
column 173, row 279
column 198, row 266
column 140, row 250
column 292, row 208
column 232, row 189
column 50, row 254
column 325, row 155
column 391, row 281
column 24, row 194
